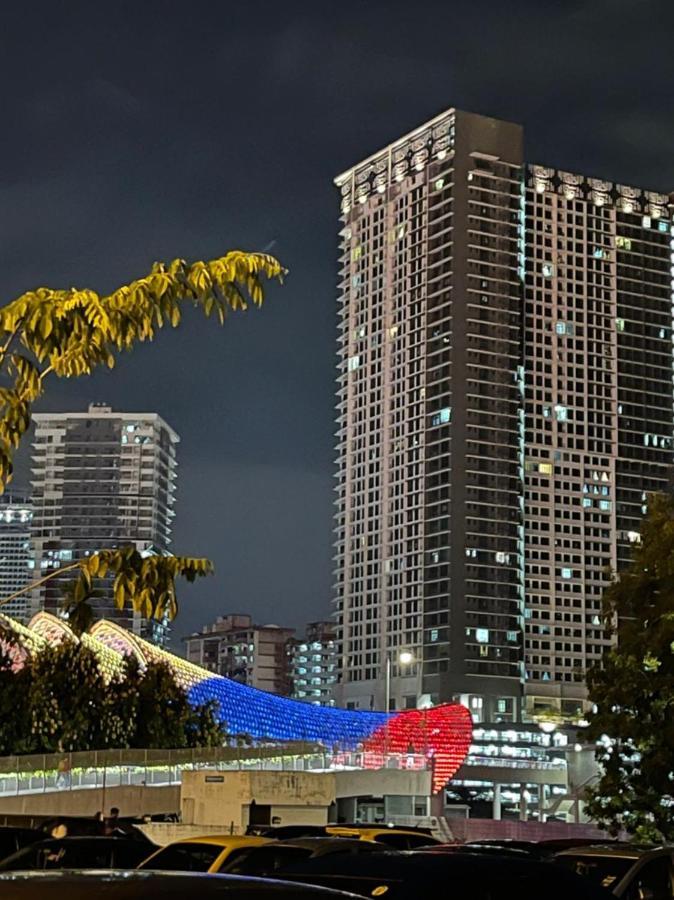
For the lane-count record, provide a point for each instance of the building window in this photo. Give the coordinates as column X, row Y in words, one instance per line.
column 482, row 635
column 442, row 417
column 566, row 573
column 561, row 413
column 353, row 363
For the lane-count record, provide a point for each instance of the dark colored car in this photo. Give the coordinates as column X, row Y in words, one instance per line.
column 141, row 885
column 13, row 839
column 78, row 853
column 278, row 855
column 459, row 876
column 630, row 871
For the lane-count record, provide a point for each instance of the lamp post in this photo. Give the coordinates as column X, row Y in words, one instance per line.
column 405, row 657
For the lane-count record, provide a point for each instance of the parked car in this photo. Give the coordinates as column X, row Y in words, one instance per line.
column 396, row 837
column 201, row 854
column 77, row 853
column 459, row 876
column 276, row 856
column 393, row 838
column 507, row 847
column 167, row 885
column 13, row 839
column 631, row 871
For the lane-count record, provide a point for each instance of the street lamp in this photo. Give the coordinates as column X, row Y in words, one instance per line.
column 405, row 658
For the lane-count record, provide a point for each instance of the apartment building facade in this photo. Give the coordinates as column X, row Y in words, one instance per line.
column 504, row 407
column 313, row 664
column 16, row 513
column 256, row 655
column 101, row 479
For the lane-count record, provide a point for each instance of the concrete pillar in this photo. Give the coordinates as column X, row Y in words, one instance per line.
column 496, row 808
column 523, row 803
column 541, row 803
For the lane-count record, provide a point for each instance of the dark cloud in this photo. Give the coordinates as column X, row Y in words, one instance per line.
column 137, row 131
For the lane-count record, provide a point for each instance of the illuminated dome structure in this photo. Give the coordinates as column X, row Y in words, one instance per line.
column 442, row 733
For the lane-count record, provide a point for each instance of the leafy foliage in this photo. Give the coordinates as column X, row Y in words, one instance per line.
column 61, row 702
column 633, row 690
column 146, row 582
column 68, row 333
column 15, row 722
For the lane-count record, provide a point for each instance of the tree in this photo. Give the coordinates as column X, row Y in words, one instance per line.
column 73, row 707
column 633, row 689
column 166, row 720
column 69, row 333
column 15, row 720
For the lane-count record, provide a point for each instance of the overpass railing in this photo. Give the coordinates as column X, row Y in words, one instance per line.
column 102, row 769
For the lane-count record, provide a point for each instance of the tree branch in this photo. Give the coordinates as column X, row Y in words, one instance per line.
column 34, row 584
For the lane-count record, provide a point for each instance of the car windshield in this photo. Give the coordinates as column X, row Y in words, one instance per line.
column 606, row 871
column 190, row 857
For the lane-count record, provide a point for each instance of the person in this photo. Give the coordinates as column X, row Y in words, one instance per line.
column 112, row 822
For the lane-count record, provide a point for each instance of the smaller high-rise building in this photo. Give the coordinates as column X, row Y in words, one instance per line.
column 313, row 664
column 101, row 479
column 256, row 655
column 16, row 513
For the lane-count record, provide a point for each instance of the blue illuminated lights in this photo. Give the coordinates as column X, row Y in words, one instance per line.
column 246, row 710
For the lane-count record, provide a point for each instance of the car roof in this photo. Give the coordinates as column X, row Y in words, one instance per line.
column 315, row 843
column 373, row 829
column 616, row 849
column 226, row 841
column 137, row 884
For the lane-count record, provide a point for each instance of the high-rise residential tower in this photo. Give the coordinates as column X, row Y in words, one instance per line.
column 598, row 360
column 429, row 528
column 16, row 512
column 101, row 479
column 504, row 407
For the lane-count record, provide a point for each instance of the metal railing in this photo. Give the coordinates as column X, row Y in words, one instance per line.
column 103, row 769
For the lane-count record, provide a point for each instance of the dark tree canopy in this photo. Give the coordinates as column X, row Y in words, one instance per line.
column 633, row 690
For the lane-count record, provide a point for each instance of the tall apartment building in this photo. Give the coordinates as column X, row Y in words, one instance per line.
column 101, row 479
column 598, row 360
column 233, row 646
column 313, row 664
column 16, row 512
column 504, row 406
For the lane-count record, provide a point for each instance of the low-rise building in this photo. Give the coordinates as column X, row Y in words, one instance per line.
column 313, row 664
column 255, row 655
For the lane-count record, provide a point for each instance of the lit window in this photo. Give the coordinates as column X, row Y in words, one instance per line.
column 548, row 270
column 502, row 557
column 545, row 468
column 511, row 636
column 566, row 573
column 605, row 505
column 482, row 635
column 546, row 412
column 663, row 226
column 599, row 253
column 353, row 363
column 356, row 253
column 442, row 417
column 620, row 324
column 439, row 184
column 646, row 222
column 623, row 243
column 560, row 327
column 561, row 413
column 434, row 634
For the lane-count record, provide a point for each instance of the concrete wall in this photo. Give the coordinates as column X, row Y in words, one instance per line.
column 382, row 782
column 224, row 798
column 131, row 801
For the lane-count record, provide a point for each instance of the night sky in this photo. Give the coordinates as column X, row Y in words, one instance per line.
column 148, row 130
